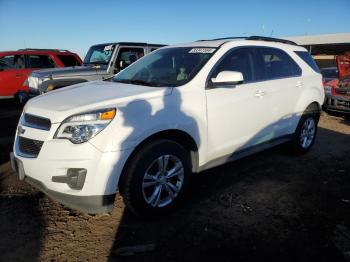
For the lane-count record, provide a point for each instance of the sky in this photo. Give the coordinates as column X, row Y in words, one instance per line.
column 76, row 25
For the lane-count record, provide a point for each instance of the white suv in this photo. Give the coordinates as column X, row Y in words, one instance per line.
column 177, row 111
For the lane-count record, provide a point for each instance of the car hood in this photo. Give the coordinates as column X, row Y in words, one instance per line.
column 69, row 71
column 58, row 105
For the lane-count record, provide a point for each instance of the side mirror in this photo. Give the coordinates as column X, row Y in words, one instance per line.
column 226, row 78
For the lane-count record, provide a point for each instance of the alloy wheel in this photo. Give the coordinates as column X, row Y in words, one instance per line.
column 163, row 180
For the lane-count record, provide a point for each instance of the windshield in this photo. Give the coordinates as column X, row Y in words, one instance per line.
column 99, row 54
column 166, row 67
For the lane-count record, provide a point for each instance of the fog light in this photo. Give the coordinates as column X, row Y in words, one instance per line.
column 75, row 178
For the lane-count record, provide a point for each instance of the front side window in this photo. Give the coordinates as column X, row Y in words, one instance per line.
column 99, row 55
column 278, row 64
column 240, row 60
column 12, row 62
column 40, row 61
column 166, row 67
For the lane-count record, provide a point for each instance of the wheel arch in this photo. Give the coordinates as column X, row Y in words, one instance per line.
column 176, row 135
column 314, row 108
column 311, row 96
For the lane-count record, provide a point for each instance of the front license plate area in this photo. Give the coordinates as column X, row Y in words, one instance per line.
column 20, row 170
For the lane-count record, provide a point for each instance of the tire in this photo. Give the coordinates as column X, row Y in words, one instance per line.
column 21, row 98
column 305, row 133
column 148, row 189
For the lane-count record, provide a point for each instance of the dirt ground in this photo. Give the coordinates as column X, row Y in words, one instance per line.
column 271, row 206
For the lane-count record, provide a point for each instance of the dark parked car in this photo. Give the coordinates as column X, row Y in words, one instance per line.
column 329, row 73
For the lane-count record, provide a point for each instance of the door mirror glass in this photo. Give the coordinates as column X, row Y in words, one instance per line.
column 227, row 78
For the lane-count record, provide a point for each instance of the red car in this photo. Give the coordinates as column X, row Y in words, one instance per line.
column 338, row 90
column 16, row 66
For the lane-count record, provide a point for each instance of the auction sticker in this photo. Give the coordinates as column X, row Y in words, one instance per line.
column 108, row 48
column 202, row 50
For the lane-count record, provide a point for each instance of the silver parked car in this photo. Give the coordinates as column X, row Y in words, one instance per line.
column 102, row 61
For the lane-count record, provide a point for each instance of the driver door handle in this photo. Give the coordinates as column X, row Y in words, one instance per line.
column 19, row 75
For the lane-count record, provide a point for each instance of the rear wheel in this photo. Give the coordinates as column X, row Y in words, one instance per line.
column 156, row 178
column 305, row 134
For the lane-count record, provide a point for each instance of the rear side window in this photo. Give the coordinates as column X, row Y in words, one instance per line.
column 40, row 61
column 68, row 60
column 130, row 55
column 278, row 64
column 308, row 59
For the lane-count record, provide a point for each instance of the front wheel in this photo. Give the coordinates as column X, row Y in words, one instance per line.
column 156, row 178
column 305, row 134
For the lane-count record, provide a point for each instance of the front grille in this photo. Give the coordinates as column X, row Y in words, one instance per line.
column 342, row 91
column 29, row 147
column 343, row 103
column 36, row 122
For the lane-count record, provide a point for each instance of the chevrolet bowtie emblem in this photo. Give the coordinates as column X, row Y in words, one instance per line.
column 20, row 130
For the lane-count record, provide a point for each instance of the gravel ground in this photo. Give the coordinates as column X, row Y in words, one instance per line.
column 267, row 207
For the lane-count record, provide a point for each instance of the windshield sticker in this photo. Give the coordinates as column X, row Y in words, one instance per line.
column 202, row 50
column 108, row 48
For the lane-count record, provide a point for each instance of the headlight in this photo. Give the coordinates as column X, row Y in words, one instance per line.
column 35, row 82
column 80, row 128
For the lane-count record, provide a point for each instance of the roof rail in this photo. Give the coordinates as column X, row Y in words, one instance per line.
column 43, row 49
column 232, row 37
column 223, row 38
column 271, row 39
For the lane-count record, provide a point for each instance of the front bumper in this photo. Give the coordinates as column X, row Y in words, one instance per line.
column 56, row 157
column 337, row 103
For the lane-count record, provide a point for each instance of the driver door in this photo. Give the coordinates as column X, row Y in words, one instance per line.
column 238, row 116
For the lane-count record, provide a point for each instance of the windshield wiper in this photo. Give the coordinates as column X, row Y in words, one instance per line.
column 135, row 82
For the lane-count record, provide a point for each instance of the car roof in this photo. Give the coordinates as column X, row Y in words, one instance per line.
column 37, row 51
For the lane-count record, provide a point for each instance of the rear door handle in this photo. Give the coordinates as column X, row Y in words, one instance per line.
column 299, row 84
column 259, row 94
column 19, row 75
